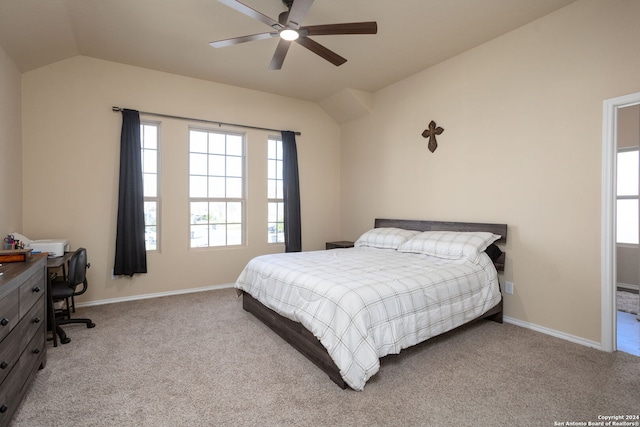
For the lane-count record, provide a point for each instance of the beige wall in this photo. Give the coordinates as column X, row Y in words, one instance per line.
column 522, row 145
column 71, row 146
column 10, row 147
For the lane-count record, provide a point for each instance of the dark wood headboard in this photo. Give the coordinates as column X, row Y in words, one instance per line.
column 410, row 224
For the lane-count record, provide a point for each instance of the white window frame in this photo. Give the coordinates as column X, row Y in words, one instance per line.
column 147, row 155
column 632, row 197
column 202, row 188
column 275, row 191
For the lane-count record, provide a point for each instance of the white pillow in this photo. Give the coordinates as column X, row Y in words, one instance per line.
column 385, row 238
column 450, row 244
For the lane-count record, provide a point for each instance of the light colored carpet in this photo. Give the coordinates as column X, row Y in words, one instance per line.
column 201, row 360
column 627, row 301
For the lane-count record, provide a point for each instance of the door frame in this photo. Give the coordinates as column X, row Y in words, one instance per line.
column 608, row 217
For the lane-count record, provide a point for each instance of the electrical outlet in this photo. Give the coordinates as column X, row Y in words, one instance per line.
column 508, row 288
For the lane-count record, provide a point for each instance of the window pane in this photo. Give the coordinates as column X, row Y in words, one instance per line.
column 279, row 169
column 627, row 221
column 271, row 169
column 150, row 229
column 234, row 234
column 216, row 187
column 217, row 143
column 234, row 188
column 199, row 236
column 198, row 186
column 150, row 137
column 216, row 165
column 272, row 236
column 149, row 161
column 218, row 212
column 271, row 189
column 234, row 145
column 271, row 149
column 199, row 212
column 197, row 164
column 150, row 241
column 628, row 173
column 234, row 166
column 217, row 235
column 234, row 212
column 197, row 141
column 150, row 184
column 150, row 213
column 273, row 212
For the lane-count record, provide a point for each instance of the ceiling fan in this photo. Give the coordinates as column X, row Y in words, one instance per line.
column 289, row 28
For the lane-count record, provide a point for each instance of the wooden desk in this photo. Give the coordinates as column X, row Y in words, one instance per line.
column 53, row 264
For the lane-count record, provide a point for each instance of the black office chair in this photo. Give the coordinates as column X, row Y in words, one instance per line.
column 64, row 289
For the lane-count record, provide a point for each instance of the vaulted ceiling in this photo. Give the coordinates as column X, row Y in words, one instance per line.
column 173, row 36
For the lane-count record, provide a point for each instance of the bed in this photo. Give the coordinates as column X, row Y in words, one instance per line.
column 404, row 282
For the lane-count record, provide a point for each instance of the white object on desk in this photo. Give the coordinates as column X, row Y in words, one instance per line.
column 55, row 247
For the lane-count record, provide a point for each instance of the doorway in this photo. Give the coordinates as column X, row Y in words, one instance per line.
column 615, row 112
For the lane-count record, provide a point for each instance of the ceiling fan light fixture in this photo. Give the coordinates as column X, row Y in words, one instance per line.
column 289, row 34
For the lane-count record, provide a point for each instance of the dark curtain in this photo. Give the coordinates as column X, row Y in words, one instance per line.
column 131, row 254
column 291, row 187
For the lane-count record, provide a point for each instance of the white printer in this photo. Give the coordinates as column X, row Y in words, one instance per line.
column 55, row 247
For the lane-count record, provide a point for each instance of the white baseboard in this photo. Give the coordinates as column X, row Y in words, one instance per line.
column 154, row 295
column 554, row 333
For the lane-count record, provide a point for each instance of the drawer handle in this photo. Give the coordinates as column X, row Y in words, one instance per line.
column 3, row 409
column 4, row 322
column 36, row 351
column 4, row 364
column 36, row 320
column 36, row 289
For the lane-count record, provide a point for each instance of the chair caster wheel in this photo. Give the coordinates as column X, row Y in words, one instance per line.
column 65, row 340
column 91, row 325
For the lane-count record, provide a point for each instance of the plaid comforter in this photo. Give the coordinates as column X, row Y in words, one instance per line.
column 365, row 303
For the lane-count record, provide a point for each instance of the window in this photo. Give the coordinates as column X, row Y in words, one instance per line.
column 275, row 221
column 150, row 178
column 216, row 188
column 627, row 196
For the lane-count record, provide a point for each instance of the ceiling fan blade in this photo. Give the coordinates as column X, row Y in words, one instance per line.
column 348, row 28
column 279, row 55
column 243, row 39
column 298, row 11
column 252, row 13
column 320, row 50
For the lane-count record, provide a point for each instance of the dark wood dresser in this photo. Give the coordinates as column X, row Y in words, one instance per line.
column 23, row 330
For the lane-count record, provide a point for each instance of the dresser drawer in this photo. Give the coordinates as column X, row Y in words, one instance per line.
column 31, row 290
column 9, row 313
column 9, row 353
column 31, row 322
column 10, row 396
column 33, row 356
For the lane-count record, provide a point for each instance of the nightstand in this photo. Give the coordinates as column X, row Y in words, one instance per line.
column 339, row 245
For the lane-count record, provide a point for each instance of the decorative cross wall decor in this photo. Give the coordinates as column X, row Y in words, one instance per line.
column 431, row 134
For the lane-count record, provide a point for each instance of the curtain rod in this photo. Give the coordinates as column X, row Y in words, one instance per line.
column 118, row 109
